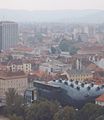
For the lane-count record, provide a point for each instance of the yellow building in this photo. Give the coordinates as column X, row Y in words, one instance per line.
column 19, row 83
column 78, row 75
column 19, row 65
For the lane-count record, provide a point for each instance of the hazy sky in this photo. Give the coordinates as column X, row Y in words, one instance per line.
column 52, row 4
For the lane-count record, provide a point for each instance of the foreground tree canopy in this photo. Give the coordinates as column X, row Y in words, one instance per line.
column 14, row 103
column 48, row 110
column 43, row 110
column 67, row 113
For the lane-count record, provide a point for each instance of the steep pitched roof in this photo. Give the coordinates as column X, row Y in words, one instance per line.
column 100, row 99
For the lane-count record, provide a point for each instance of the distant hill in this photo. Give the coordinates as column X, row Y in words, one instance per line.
column 71, row 16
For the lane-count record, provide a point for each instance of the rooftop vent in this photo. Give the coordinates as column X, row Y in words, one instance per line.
column 66, row 83
column 71, row 80
column 76, row 82
column 102, row 86
column 98, row 88
column 54, row 80
column 88, row 88
column 60, row 81
column 85, row 82
column 92, row 84
column 82, row 84
column 71, row 85
column 78, row 88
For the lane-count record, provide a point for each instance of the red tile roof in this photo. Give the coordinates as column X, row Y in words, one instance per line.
column 100, row 99
column 94, row 67
column 38, row 73
column 91, row 49
column 23, row 48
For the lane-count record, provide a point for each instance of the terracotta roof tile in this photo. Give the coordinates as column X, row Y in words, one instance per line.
column 23, row 48
column 100, row 99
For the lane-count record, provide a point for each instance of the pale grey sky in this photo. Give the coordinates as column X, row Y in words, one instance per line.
column 51, row 4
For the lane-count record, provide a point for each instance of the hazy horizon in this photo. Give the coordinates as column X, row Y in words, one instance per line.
column 14, row 9
column 72, row 16
column 35, row 5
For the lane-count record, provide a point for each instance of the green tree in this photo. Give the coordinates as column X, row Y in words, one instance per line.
column 67, row 113
column 68, row 46
column 100, row 118
column 14, row 102
column 98, row 112
column 14, row 117
column 90, row 112
column 9, row 57
column 64, row 45
column 43, row 110
column 53, row 50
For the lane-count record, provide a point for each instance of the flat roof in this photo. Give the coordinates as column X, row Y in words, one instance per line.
column 45, row 83
column 12, row 77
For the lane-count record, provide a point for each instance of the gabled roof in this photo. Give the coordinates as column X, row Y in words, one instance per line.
column 94, row 67
column 101, row 98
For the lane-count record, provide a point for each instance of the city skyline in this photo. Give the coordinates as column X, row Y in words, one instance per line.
column 51, row 4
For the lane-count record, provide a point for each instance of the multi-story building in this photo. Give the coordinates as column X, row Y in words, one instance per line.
column 100, row 100
column 19, row 65
column 8, row 34
column 52, row 66
column 19, row 83
column 79, row 75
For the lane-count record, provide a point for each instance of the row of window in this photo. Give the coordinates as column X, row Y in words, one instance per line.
column 80, row 75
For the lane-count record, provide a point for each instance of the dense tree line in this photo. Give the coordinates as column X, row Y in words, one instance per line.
column 16, row 109
column 68, row 46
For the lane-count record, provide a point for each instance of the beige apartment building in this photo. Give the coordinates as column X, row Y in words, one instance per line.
column 19, row 83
